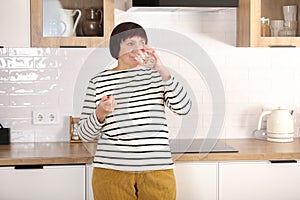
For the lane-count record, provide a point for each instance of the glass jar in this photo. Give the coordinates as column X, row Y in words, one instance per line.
column 265, row 26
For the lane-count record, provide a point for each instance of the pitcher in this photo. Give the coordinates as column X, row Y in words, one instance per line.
column 92, row 25
column 66, row 15
column 54, row 27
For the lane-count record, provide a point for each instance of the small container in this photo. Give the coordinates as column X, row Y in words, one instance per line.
column 265, row 26
column 75, row 135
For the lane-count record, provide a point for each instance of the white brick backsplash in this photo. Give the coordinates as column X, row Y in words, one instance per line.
column 4, row 75
column 23, row 135
column 20, row 62
column 24, row 51
column 242, row 120
column 14, row 112
column 37, row 78
column 35, row 52
column 5, row 88
column 260, row 72
column 3, row 62
column 259, row 97
column 4, row 100
column 3, row 52
column 25, row 100
column 237, row 97
column 240, row 132
column 47, row 62
column 24, row 75
column 235, row 85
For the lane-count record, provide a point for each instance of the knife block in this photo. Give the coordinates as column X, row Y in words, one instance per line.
column 4, row 136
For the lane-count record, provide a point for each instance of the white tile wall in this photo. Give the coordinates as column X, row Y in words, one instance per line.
column 253, row 78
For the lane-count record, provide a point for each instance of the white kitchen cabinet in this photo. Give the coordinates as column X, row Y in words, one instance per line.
column 259, row 180
column 89, row 189
column 196, row 180
column 59, row 182
column 15, row 23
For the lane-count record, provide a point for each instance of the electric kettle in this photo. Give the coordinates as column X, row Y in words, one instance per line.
column 280, row 125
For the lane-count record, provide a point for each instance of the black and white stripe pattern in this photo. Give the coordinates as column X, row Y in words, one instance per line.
column 135, row 136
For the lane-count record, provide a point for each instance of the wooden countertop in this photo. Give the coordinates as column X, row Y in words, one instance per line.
column 82, row 153
column 249, row 149
column 44, row 153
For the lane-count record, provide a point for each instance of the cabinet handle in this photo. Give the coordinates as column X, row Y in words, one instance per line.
column 1, row 47
column 280, row 46
column 282, row 161
column 29, row 167
column 72, row 46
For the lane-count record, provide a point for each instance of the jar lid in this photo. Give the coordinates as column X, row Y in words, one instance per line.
column 265, row 20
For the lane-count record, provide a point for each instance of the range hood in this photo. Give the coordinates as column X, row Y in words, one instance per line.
column 179, row 5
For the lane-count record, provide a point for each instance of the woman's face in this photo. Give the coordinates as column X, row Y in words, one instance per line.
column 127, row 46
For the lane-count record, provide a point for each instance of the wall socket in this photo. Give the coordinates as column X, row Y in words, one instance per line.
column 43, row 116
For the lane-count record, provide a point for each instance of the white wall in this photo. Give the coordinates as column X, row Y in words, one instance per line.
column 253, row 78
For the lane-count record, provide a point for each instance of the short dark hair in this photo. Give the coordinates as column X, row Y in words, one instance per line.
column 122, row 32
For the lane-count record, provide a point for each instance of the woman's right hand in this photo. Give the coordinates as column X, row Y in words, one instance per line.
column 105, row 107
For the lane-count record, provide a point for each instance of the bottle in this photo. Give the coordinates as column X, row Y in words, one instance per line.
column 265, row 26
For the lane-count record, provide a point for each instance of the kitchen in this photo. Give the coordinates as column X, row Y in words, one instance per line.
column 254, row 79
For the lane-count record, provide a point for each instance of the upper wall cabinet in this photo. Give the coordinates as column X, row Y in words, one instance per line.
column 15, row 23
column 249, row 27
column 71, row 23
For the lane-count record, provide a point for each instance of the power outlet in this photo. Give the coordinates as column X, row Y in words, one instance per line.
column 45, row 116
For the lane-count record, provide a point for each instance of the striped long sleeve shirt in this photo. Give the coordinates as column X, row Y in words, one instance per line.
column 134, row 137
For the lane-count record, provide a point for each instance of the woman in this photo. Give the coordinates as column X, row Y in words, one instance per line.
column 124, row 110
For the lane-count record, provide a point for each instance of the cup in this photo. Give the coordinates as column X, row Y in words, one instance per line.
column 54, row 27
column 276, row 26
column 287, row 32
column 144, row 58
column 291, row 26
column 290, row 12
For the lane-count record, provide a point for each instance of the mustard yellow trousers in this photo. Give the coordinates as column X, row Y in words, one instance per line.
column 121, row 185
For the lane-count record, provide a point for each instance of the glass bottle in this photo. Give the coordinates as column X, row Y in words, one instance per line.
column 265, row 26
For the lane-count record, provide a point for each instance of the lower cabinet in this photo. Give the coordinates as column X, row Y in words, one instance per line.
column 59, row 182
column 234, row 180
column 197, row 180
column 89, row 189
column 261, row 180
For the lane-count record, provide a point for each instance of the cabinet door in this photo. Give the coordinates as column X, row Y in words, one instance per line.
column 89, row 189
column 48, row 183
column 249, row 25
column 259, row 180
column 37, row 36
column 15, row 23
column 196, row 180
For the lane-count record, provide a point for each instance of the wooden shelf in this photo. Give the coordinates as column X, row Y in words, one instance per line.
column 248, row 23
column 37, row 39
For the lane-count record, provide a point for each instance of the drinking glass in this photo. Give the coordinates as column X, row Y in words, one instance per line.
column 144, row 58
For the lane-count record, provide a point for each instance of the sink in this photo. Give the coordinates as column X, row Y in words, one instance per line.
column 200, row 146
